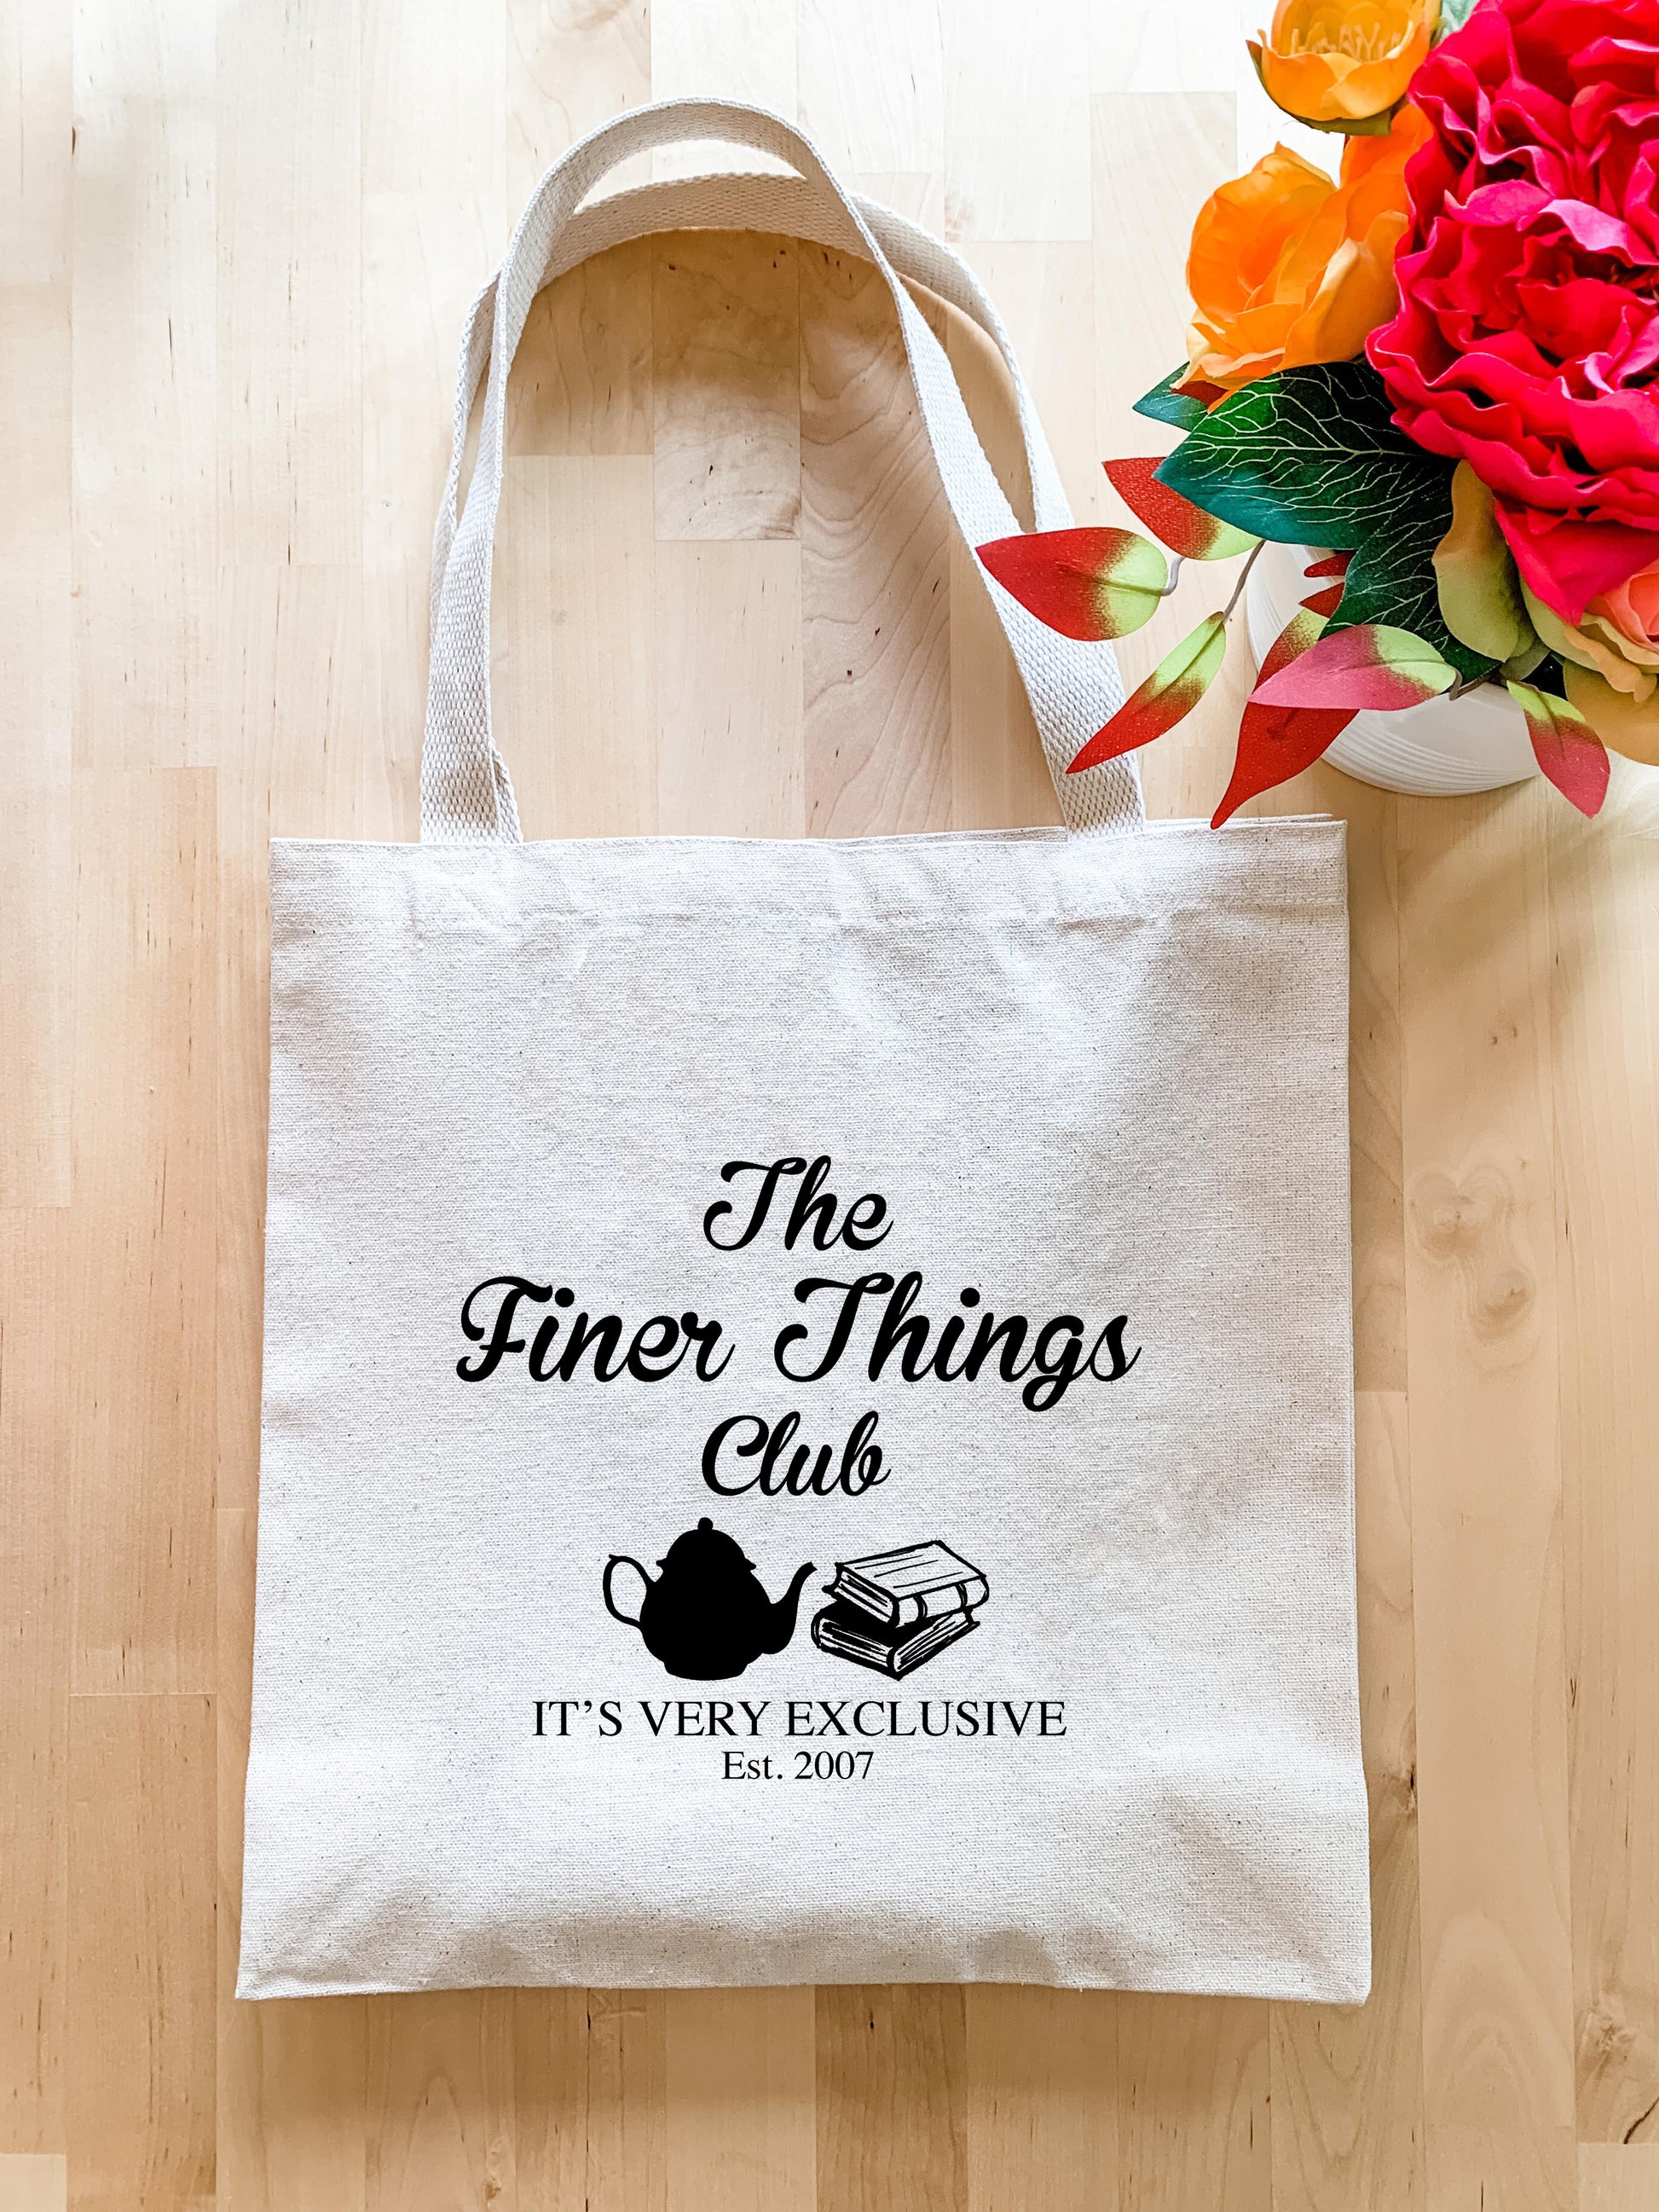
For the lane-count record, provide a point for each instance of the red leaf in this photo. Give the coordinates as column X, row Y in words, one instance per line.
column 1326, row 602
column 1197, row 388
column 1171, row 691
column 1276, row 743
column 1578, row 766
column 1334, row 564
column 1297, row 635
column 1087, row 583
column 1184, row 528
column 1373, row 665
column 1565, row 747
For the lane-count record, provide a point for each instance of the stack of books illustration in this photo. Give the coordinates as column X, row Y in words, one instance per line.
column 895, row 1610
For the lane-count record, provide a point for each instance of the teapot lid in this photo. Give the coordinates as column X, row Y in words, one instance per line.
column 705, row 1550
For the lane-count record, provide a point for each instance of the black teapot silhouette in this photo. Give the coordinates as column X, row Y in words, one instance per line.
column 706, row 1616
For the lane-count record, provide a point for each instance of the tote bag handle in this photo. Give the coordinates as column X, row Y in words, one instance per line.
column 467, row 795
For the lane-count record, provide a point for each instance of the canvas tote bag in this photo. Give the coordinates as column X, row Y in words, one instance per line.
column 807, row 1425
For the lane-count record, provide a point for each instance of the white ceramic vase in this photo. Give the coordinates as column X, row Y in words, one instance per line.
column 1446, row 745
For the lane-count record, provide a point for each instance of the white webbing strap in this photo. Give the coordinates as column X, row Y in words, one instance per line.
column 467, row 795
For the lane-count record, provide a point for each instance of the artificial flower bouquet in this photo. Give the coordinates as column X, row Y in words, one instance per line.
column 1440, row 371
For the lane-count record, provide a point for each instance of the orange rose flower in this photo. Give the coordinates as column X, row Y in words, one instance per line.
column 1339, row 62
column 1288, row 268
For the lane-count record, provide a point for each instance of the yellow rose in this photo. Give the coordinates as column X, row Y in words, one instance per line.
column 1338, row 63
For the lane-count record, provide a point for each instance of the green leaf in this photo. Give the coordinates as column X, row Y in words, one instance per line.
column 1454, row 13
column 1169, row 693
column 1165, row 405
column 1520, row 666
column 1475, row 578
column 1311, row 457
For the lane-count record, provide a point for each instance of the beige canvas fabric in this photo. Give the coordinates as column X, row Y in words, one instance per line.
column 808, row 1415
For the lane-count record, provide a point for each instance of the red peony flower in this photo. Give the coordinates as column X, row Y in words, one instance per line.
column 1527, row 340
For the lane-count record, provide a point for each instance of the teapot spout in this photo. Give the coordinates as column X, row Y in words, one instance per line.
column 781, row 1617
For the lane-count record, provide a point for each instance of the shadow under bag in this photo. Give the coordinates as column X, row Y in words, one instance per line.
column 808, row 1415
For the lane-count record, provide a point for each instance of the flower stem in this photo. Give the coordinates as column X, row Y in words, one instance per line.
column 1243, row 577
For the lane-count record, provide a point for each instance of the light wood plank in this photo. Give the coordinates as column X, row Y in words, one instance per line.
column 434, row 98
column 34, row 1672
column 871, row 98
column 290, row 284
column 139, row 2069
column 144, row 289
column 435, row 220
column 1605, row 1065
column 37, row 61
column 1482, row 1332
column 1003, row 95
column 1375, row 1071
column 576, row 677
column 550, row 2100
column 1143, row 46
column 1041, row 2110
column 1157, row 157
column 726, row 397
column 740, row 2115
column 440, row 2090
column 138, row 1310
column 627, row 2162
column 36, row 629
column 1613, row 2178
column 730, row 759
column 892, row 2094
column 1347, row 2082
column 1502, row 2169
column 1045, row 296
column 1194, row 2110
column 582, row 380
column 569, row 69
column 300, row 758
column 33, row 2181
column 743, row 50
column 37, row 936
column 875, row 537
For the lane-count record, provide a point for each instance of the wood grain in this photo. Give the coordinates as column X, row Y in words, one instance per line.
column 1042, row 2102
column 33, row 2181
column 875, row 555
column 1482, row 1337
column 726, row 397
column 741, row 2132
column 139, row 2122
column 36, row 1596
column 236, row 245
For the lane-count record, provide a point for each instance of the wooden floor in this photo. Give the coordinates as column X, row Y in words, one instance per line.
column 236, row 252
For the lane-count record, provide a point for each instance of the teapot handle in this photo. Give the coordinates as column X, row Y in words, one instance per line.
column 621, row 1560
